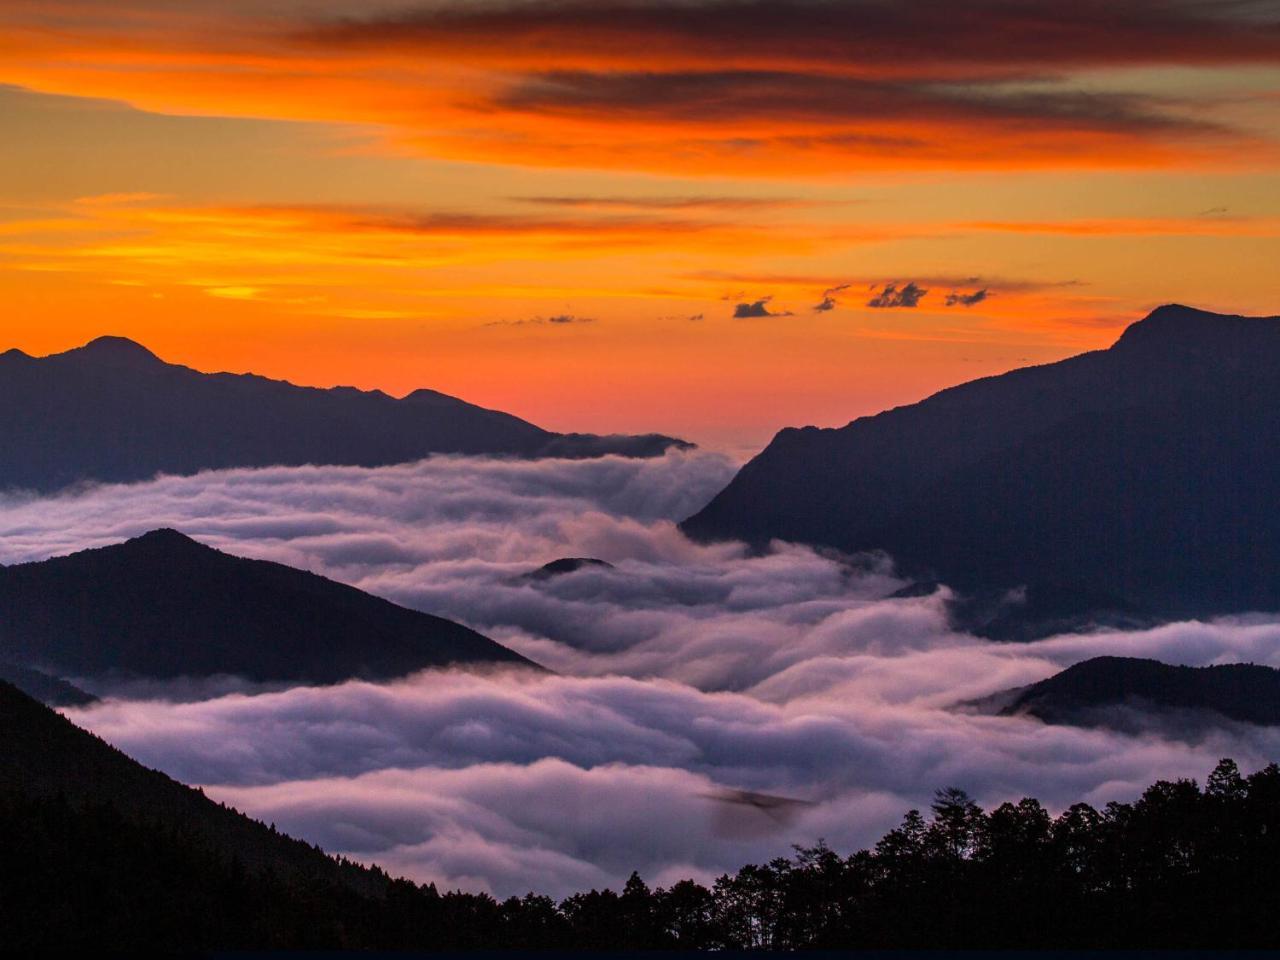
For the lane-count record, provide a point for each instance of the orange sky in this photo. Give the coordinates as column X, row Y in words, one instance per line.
column 557, row 209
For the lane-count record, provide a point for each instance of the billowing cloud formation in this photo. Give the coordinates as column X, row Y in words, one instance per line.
column 909, row 295
column 757, row 308
column 685, row 671
column 955, row 298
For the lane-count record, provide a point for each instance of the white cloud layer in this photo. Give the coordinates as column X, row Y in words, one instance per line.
column 684, row 670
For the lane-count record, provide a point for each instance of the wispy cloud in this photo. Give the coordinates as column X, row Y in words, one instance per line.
column 694, row 203
column 828, row 301
column 958, row 299
column 555, row 320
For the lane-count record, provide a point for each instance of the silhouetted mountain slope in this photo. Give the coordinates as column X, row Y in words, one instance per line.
column 43, row 687
column 113, row 411
column 1082, row 693
column 162, row 605
column 43, row 755
column 100, row 854
column 1122, row 485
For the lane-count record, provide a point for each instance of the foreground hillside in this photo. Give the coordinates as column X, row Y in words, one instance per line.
column 103, row 854
column 164, row 606
column 1126, row 485
column 113, row 411
column 47, row 762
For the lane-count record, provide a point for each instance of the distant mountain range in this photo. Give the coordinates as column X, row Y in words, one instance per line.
column 1088, row 693
column 164, row 606
column 1123, row 486
column 113, row 411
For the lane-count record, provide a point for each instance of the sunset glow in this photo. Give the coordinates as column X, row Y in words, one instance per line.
column 693, row 217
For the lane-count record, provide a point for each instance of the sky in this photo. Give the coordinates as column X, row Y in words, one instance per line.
column 681, row 674
column 709, row 218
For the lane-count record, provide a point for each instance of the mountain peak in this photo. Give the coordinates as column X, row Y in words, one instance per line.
column 116, row 350
column 565, row 565
column 1179, row 327
column 165, row 538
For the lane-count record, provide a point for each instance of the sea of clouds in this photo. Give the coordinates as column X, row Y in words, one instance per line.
column 681, row 674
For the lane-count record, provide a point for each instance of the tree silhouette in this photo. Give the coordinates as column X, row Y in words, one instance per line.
column 1179, row 867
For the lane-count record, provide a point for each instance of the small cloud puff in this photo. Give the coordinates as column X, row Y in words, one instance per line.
column 955, row 299
column 909, row 296
column 757, row 308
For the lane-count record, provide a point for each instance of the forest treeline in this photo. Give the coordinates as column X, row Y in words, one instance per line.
column 1183, row 866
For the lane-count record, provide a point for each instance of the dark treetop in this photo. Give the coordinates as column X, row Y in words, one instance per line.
column 113, row 411
column 1126, row 485
column 163, row 606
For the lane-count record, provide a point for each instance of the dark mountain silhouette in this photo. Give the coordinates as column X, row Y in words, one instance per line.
column 1084, row 694
column 563, row 565
column 1122, row 486
column 164, row 606
column 113, row 411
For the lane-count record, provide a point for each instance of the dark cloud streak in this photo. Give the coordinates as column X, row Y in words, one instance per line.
column 993, row 36
column 727, row 96
column 730, row 204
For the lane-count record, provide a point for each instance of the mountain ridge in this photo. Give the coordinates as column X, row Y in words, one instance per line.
column 1108, row 476
column 113, row 411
